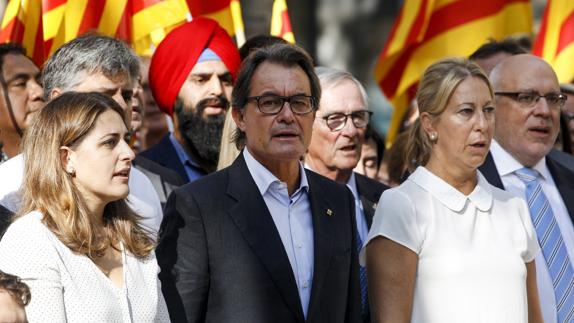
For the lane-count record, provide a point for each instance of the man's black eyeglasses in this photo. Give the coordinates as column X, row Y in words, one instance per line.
column 273, row 104
column 337, row 121
column 529, row 99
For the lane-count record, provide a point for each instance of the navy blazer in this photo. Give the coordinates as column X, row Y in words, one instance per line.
column 164, row 154
column 222, row 259
column 561, row 166
column 370, row 192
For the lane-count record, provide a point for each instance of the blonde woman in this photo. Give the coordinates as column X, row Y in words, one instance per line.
column 75, row 242
column 446, row 246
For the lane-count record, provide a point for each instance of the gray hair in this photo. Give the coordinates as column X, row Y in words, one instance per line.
column 86, row 55
column 330, row 77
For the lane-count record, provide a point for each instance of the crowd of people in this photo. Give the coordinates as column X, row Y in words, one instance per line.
column 264, row 194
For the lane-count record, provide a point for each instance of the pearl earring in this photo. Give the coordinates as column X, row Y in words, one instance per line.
column 433, row 136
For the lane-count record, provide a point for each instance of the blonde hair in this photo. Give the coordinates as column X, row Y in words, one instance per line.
column 437, row 85
column 49, row 189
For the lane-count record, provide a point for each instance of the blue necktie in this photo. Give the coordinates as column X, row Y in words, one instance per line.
column 363, row 281
column 553, row 248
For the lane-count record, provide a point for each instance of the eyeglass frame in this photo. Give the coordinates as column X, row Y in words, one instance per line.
column 514, row 96
column 284, row 99
column 347, row 115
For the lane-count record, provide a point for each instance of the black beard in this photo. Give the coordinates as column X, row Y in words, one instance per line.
column 203, row 137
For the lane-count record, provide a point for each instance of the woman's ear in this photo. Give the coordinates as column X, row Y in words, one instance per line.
column 426, row 120
column 66, row 158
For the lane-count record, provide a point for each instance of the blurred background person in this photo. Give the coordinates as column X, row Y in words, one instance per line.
column 79, row 246
column 14, row 296
column 446, row 246
column 395, row 165
column 567, row 118
column 335, row 150
column 155, row 124
column 21, row 97
column 372, row 152
column 492, row 52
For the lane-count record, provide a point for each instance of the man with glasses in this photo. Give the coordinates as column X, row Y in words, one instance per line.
column 522, row 160
column 335, row 150
column 264, row 240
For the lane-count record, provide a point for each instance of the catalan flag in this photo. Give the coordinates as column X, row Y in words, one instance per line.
column 280, row 22
column 22, row 24
column 555, row 41
column 226, row 12
column 42, row 26
column 428, row 30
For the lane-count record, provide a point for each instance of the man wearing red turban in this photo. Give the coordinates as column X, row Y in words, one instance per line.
column 191, row 78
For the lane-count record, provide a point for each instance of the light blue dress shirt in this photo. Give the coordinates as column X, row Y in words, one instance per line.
column 362, row 227
column 293, row 220
column 192, row 169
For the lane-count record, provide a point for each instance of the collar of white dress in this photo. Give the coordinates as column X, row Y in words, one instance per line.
column 481, row 196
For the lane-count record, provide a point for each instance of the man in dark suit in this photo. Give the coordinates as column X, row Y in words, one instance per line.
column 335, row 150
column 528, row 103
column 191, row 77
column 264, row 240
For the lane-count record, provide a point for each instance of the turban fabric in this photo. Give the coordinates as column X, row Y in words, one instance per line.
column 178, row 53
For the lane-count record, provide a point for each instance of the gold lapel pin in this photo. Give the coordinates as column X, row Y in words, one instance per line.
column 329, row 212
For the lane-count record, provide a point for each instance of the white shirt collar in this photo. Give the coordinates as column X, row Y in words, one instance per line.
column 264, row 178
column 506, row 164
column 481, row 196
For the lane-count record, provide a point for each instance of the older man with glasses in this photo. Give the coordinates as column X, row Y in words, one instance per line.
column 522, row 160
column 335, row 150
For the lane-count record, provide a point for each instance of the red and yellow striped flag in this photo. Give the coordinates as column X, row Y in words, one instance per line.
column 555, row 41
column 428, row 30
column 42, row 26
column 226, row 12
column 22, row 24
column 280, row 22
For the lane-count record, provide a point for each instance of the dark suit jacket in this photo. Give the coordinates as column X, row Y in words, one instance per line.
column 164, row 154
column 163, row 179
column 561, row 167
column 370, row 192
column 5, row 219
column 222, row 259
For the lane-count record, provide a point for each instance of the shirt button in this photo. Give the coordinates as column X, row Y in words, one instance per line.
column 299, row 246
column 306, row 284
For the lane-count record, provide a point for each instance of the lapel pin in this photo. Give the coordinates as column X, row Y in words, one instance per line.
column 329, row 212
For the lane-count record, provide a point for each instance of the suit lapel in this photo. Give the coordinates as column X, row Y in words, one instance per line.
column 323, row 221
column 253, row 219
column 488, row 169
column 564, row 179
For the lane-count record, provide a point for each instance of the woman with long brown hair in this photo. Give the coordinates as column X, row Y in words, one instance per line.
column 75, row 241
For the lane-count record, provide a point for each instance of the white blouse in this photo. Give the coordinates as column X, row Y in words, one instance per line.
column 471, row 249
column 67, row 287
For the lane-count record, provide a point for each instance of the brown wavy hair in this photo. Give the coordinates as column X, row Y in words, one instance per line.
column 17, row 289
column 437, row 85
column 49, row 189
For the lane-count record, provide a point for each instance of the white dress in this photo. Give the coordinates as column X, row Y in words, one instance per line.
column 67, row 287
column 471, row 249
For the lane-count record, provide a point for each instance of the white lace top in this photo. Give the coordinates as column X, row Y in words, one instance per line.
column 67, row 287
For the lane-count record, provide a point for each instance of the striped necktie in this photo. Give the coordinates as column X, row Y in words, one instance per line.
column 363, row 282
column 553, row 248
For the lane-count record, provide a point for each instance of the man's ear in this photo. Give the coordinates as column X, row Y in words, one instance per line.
column 238, row 118
column 56, row 92
column 67, row 157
